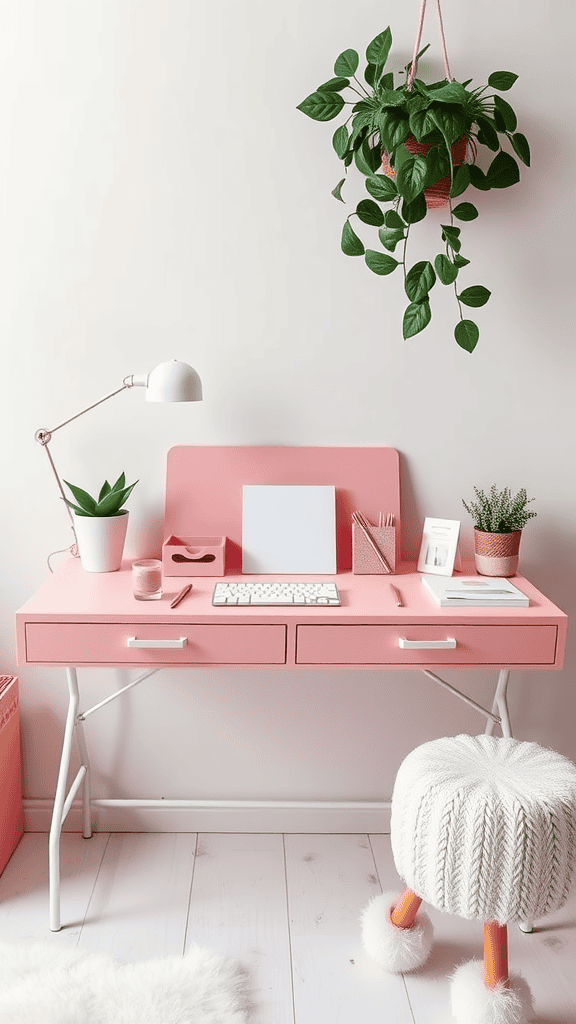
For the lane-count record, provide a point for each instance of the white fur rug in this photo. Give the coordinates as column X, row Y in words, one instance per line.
column 43, row 983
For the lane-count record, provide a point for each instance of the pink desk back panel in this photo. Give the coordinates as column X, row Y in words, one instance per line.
column 204, row 488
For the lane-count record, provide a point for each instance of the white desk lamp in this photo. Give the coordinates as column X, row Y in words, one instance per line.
column 169, row 382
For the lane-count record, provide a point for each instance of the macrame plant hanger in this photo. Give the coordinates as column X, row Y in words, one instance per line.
column 438, row 194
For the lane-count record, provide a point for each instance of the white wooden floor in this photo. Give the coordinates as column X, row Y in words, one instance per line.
column 286, row 906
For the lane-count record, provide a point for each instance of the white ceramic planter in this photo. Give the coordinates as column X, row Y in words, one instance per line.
column 101, row 541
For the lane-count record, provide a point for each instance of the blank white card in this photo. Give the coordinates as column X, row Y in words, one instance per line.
column 288, row 528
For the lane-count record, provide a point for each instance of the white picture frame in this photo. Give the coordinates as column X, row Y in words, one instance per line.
column 439, row 546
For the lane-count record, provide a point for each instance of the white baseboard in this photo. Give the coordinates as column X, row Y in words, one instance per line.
column 216, row 816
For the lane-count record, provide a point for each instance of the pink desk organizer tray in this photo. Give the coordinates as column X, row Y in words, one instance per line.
column 365, row 561
column 194, row 556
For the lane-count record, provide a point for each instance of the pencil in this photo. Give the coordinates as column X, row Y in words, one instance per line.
column 180, row 597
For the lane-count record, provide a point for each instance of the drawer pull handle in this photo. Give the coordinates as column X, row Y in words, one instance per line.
column 427, row 645
column 178, row 643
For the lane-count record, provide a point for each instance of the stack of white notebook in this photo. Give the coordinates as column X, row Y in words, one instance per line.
column 470, row 591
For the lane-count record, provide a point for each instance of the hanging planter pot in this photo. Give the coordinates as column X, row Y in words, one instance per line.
column 411, row 140
column 437, row 194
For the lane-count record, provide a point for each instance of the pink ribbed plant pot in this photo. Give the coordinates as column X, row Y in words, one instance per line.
column 496, row 554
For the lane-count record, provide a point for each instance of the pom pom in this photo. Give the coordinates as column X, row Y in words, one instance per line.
column 395, row 949
column 474, row 1003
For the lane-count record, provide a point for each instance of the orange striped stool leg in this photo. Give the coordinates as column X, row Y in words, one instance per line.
column 406, row 909
column 495, row 954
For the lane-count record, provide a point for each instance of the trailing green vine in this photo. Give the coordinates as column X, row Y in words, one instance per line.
column 385, row 130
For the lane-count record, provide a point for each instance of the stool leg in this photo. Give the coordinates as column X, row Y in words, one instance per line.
column 406, row 909
column 495, row 954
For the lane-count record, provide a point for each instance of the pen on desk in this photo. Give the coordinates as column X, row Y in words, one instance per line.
column 397, row 594
column 180, row 597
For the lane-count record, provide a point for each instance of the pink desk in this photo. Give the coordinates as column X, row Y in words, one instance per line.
column 78, row 619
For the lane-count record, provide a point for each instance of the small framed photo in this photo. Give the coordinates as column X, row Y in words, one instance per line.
column 439, row 546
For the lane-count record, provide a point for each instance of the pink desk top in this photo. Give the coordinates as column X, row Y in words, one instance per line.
column 72, row 595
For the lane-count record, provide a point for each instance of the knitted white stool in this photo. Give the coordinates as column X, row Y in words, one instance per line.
column 484, row 828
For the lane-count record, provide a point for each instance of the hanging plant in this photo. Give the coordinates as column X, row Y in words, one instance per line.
column 411, row 142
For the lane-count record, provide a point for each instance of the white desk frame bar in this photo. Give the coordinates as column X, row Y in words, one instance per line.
column 75, row 726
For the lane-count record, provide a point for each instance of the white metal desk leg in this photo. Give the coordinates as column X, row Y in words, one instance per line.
column 59, row 801
column 86, row 817
column 500, row 705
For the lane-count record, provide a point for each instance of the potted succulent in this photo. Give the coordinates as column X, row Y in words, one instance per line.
column 410, row 141
column 100, row 524
column 499, row 520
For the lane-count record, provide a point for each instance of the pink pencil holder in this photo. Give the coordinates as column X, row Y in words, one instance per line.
column 365, row 561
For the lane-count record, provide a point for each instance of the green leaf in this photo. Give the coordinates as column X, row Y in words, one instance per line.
column 340, row 140
column 372, row 156
column 451, row 123
column 487, row 134
column 351, row 244
column 393, row 220
column 322, row 106
column 446, row 269
column 120, row 483
column 476, row 295
column 337, row 192
column 459, row 260
column 507, row 114
column 467, row 334
column 85, row 500
column 465, row 211
column 379, row 48
column 382, row 188
column 503, row 171
column 416, row 317
column 104, row 490
column 502, row 80
column 419, row 280
column 390, row 237
column 78, row 511
column 451, row 236
column 478, row 178
column 370, row 74
column 359, row 123
column 334, row 85
column 423, row 123
column 379, row 262
column 361, row 164
column 394, row 128
column 347, row 63
column 416, row 210
column 521, row 147
column 411, row 177
column 451, row 93
column 370, row 213
column 113, row 502
column 460, row 181
column 387, row 81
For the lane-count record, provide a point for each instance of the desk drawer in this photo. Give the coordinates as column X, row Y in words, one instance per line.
column 80, row 643
column 379, row 645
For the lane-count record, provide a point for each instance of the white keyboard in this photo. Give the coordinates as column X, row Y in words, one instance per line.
column 275, row 594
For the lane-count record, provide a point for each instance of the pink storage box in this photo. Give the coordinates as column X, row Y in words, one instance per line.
column 11, row 821
column 194, row 556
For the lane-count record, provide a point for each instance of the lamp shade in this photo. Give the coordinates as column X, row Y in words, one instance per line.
column 174, row 382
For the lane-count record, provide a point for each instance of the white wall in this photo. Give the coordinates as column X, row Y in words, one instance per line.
column 162, row 197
